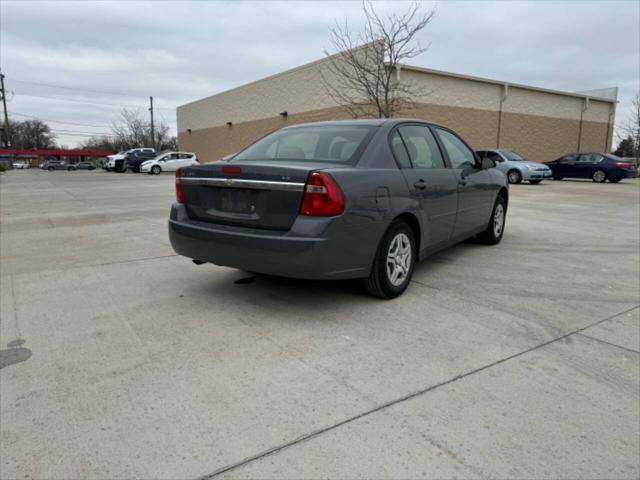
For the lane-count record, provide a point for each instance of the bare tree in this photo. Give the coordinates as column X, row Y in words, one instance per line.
column 132, row 131
column 361, row 76
column 32, row 134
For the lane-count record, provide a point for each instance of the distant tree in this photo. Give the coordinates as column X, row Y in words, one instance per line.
column 631, row 128
column 31, row 134
column 362, row 71
column 133, row 131
column 626, row 148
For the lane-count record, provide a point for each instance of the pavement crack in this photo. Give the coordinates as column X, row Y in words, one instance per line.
column 609, row 343
column 383, row 406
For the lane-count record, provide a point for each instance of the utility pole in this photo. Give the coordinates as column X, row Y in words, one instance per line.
column 153, row 133
column 7, row 134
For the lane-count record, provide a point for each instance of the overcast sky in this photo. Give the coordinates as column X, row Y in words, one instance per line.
column 116, row 54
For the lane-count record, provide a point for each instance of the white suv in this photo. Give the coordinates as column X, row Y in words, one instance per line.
column 169, row 162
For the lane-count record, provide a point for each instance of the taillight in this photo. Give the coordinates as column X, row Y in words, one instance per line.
column 624, row 165
column 322, row 196
column 179, row 195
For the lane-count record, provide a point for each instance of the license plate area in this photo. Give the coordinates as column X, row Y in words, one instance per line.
column 235, row 200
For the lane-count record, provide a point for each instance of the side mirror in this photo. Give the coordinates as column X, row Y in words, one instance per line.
column 487, row 163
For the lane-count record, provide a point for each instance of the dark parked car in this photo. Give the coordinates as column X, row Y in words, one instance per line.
column 137, row 158
column 85, row 166
column 344, row 199
column 52, row 165
column 599, row 167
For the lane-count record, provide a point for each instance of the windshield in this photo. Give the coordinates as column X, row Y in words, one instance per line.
column 320, row 143
column 512, row 156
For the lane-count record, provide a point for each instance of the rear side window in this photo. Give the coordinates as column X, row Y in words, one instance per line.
column 459, row 154
column 313, row 143
column 421, row 146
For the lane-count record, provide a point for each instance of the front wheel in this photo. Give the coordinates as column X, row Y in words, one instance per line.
column 495, row 229
column 156, row 170
column 393, row 265
column 534, row 182
column 599, row 176
column 514, row 176
column 51, row 169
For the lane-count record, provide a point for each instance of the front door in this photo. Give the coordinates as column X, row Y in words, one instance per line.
column 474, row 184
column 429, row 181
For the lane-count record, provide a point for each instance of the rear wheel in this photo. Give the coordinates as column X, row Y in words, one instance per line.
column 393, row 266
column 534, row 182
column 156, row 169
column 599, row 176
column 557, row 178
column 495, row 229
column 514, row 176
column 51, row 169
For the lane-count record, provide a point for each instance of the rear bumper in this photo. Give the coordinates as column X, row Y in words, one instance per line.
column 315, row 248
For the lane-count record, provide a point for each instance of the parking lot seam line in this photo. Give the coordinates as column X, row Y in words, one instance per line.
column 609, row 343
column 405, row 398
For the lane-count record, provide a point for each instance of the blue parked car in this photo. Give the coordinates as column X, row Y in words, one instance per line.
column 515, row 167
column 599, row 167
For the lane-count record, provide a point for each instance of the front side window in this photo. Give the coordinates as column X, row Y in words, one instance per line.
column 421, row 146
column 569, row 159
column 313, row 143
column 459, row 154
column 495, row 157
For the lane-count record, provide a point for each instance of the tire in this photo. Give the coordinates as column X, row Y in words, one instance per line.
column 156, row 170
column 493, row 234
column 381, row 282
column 599, row 176
column 614, row 180
column 514, row 176
column 70, row 169
column 51, row 169
column 558, row 178
column 534, row 182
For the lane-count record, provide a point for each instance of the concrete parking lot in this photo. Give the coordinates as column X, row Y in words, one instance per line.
column 123, row 360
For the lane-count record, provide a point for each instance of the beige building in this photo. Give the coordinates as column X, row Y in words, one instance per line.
column 539, row 123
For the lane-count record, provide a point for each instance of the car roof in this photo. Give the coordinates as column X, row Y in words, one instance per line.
column 370, row 122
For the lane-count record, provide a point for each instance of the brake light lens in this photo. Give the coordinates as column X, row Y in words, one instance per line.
column 179, row 195
column 232, row 170
column 624, row 165
column 322, row 196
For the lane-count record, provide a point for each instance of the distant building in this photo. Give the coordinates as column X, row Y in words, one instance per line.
column 539, row 123
column 34, row 157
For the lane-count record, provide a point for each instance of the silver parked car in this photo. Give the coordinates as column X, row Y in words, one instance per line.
column 515, row 167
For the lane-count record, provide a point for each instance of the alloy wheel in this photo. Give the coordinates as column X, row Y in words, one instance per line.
column 399, row 259
column 498, row 220
column 599, row 176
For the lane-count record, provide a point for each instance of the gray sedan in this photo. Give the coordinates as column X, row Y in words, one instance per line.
column 515, row 167
column 335, row 200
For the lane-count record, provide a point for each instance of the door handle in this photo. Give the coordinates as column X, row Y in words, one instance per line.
column 420, row 184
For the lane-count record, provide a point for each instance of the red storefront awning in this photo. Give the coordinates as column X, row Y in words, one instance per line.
column 55, row 152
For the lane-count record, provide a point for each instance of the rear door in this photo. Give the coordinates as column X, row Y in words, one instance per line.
column 429, row 180
column 587, row 164
column 474, row 184
column 185, row 160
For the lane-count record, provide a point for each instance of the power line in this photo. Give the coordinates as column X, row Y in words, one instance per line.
column 76, row 88
column 59, row 121
column 90, row 102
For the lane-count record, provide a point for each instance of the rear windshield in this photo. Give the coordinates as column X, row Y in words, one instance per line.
column 315, row 143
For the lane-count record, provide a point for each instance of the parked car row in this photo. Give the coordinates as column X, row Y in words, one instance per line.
column 52, row 165
column 147, row 160
column 599, row 167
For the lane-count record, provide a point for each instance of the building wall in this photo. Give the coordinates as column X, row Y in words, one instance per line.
column 541, row 125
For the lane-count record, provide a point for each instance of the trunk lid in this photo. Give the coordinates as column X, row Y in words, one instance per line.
column 264, row 194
